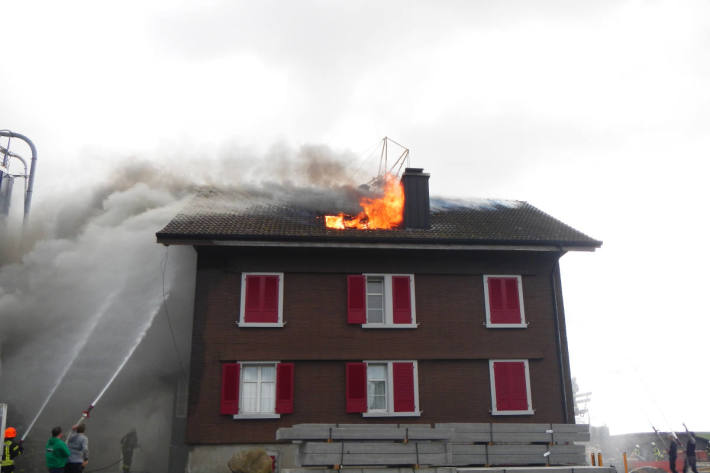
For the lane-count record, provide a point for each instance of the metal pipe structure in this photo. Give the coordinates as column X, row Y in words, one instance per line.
column 558, row 340
column 33, row 166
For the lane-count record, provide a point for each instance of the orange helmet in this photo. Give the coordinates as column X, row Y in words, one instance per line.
column 10, row 433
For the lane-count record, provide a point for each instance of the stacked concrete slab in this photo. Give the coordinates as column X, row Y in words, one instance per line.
column 453, row 445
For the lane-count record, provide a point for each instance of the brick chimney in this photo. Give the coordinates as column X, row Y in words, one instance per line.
column 416, row 198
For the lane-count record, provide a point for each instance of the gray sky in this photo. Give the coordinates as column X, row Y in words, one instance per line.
column 596, row 112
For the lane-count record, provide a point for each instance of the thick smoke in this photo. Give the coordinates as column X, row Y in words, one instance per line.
column 87, row 282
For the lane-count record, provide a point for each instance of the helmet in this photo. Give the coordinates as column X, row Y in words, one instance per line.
column 10, row 433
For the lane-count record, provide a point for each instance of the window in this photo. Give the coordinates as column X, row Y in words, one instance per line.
column 381, row 300
column 510, row 387
column 383, row 388
column 257, row 389
column 377, row 387
column 261, row 300
column 504, row 301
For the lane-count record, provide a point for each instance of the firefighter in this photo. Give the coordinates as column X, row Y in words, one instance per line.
column 657, row 453
column 10, row 450
column 673, row 454
column 128, row 443
column 690, row 460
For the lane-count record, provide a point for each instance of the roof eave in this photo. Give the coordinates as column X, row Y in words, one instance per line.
column 402, row 244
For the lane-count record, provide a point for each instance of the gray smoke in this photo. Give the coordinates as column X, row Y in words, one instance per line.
column 87, row 281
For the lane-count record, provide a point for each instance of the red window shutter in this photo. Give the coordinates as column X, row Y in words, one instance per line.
column 403, row 386
column 284, row 388
column 355, row 387
column 511, row 386
column 252, row 303
column 500, row 376
column 262, row 299
column 357, row 310
column 518, row 385
column 270, row 311
column 230, row 389
column 504, row 301
column 401, row 300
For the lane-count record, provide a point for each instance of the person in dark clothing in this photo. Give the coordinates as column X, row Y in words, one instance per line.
column 690, row 460
column 672, row 454
column 128, row 443
column 10, row 450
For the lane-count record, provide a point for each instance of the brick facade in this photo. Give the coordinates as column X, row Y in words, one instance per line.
column 451, row 344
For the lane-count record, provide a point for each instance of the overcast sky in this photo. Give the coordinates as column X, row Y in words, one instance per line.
column 597, row 112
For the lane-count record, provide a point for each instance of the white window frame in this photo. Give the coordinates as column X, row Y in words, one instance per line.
column 389, row 412
column 242, row 302
column 523, row 323
column 388, row 301
column 256, row 415
column 494, row 404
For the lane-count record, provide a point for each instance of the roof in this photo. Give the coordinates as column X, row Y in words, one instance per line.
column 215, row 217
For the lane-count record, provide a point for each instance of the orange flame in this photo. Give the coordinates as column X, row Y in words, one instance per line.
column 383, row 213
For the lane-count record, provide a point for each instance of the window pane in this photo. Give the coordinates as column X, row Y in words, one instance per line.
column 268, row 373
column 267, row 397
column 376, row 371
column 249, row 397
column 374, row 302
column 250, row 373
column 375, row 316
column 375, row 285
column 376, row 395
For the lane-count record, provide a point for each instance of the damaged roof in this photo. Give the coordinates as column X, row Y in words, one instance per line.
column 216, row 217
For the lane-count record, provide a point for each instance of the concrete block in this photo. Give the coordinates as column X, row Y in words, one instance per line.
column 517, row 449
column 368, row 432
column 521, row 437
column 519, row 428
column 465, row 460
column 516, row 460
column 418, row 433
column 467, row 449
column 571, row 459
column 304, row 432
column 564, row 433
column 467, row 432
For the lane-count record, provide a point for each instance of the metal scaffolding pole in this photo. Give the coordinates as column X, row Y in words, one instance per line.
column 33, row 165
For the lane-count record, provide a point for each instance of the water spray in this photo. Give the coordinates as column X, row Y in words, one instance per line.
column 86, row 413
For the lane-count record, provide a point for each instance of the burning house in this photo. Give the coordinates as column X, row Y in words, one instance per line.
column 448, row 312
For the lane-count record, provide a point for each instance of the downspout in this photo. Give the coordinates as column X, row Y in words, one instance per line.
column 558, row 337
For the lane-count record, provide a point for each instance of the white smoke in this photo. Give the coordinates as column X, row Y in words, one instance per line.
column 85, row 281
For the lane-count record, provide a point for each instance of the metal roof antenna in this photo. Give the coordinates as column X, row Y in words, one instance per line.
column 8, row 176
column 396, row 169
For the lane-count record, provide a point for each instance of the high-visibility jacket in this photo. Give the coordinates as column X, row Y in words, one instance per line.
column 10, row 450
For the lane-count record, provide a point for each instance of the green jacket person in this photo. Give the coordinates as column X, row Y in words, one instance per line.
column 57, row 452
